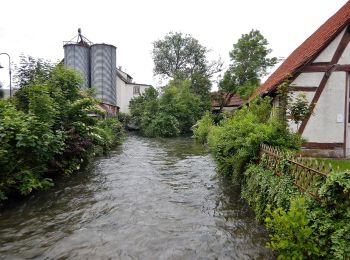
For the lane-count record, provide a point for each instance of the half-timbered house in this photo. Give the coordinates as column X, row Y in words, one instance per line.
column 320, row 68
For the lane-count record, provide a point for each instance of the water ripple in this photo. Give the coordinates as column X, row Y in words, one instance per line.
column 149, row 199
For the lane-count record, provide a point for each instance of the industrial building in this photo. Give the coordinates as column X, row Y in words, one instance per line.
column 97, row 64
column 127, row 89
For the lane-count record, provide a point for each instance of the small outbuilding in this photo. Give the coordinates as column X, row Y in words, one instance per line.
column 225, row 101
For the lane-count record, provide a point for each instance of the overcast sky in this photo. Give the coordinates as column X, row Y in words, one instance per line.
column 38, row 27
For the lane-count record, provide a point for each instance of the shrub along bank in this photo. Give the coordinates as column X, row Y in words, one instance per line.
column 47, row 129
column 170, row 114
column 300, row 227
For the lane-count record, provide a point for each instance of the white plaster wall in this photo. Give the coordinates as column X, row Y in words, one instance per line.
column 128, row 95
column 308, row 79
column 345, row 58
column 327, row 54
column 120, row 92
column 323, row 126
column 125, row 92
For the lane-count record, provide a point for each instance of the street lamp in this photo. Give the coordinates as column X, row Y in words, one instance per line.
column 1, row 67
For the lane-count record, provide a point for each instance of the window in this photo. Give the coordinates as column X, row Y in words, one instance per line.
column 136, row 90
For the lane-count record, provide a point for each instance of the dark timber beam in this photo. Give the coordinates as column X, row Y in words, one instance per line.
column 338, row 52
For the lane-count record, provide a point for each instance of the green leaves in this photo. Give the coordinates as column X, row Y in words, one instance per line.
column 174, row 113
column 249, row 58
column 202, row 128
column 48, row 126
column 181, row 56
column 32, row 71
column 235, row 141
column 291, row 234
column 250, row 63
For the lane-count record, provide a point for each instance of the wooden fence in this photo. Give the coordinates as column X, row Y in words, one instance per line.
column 307, row 173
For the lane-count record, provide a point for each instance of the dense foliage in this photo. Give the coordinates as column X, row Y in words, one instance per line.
column 249, row 63
column 300, row 226
column 178, row 55
column 168, row 115
column 46, row 129
column 235, row 141
column 182, row 57
column 32, row 70
column 202, row 128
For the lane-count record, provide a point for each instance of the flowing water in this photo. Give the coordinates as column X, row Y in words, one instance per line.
column 149, row 199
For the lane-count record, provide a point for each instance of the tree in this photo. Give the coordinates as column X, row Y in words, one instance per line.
column 183, row 57
column 171, row 114
column 32, row 71
column 249, row 63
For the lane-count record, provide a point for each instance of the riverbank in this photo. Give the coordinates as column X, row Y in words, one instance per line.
column 50, row 127
column 148, row 199
column 304, row 205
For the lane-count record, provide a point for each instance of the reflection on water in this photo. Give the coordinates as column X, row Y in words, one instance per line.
column 149, row 199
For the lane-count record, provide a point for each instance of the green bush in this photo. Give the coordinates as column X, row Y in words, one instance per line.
column 236, row 140
column 324, row 223
column 48, row 128
column 26, row 148
column 163, row 125
column 177, row 104
column 261, row 187
column 111, row 130
column 330, row 218
column 124, row 119
column 290, row 232
column 202, row 128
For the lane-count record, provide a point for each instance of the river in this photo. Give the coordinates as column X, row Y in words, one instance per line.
column 149, row 199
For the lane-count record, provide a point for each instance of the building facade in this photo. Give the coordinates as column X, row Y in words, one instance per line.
column 320, row 69
column 127, row 90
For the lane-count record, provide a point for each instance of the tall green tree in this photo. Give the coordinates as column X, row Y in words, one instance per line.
column 171, row 114
column 183, row 57
column 249, row 63
column 32, row 70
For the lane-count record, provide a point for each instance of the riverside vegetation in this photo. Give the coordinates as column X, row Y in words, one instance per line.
column 171, row 114
column 300, row 227
column 49, row 128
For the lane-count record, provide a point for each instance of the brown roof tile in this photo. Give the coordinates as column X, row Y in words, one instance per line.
column 308, row 50
column 230, row 99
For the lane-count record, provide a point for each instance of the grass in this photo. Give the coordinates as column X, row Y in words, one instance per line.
column 344, row 165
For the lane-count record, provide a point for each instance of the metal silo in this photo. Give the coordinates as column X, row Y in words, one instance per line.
column 77, row 56
column 103, row 72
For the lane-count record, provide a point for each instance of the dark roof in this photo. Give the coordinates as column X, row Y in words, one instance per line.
column 121, row 76
column 228, row 99
column 308, row 50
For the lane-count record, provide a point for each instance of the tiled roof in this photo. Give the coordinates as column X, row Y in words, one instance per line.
column 308, row 50
column 230, row 100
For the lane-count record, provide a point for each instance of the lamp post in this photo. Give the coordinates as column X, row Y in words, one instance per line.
column 1, row 67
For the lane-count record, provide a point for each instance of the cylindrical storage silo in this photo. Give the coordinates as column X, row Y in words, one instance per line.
column 103, row 72
column 77, row 56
